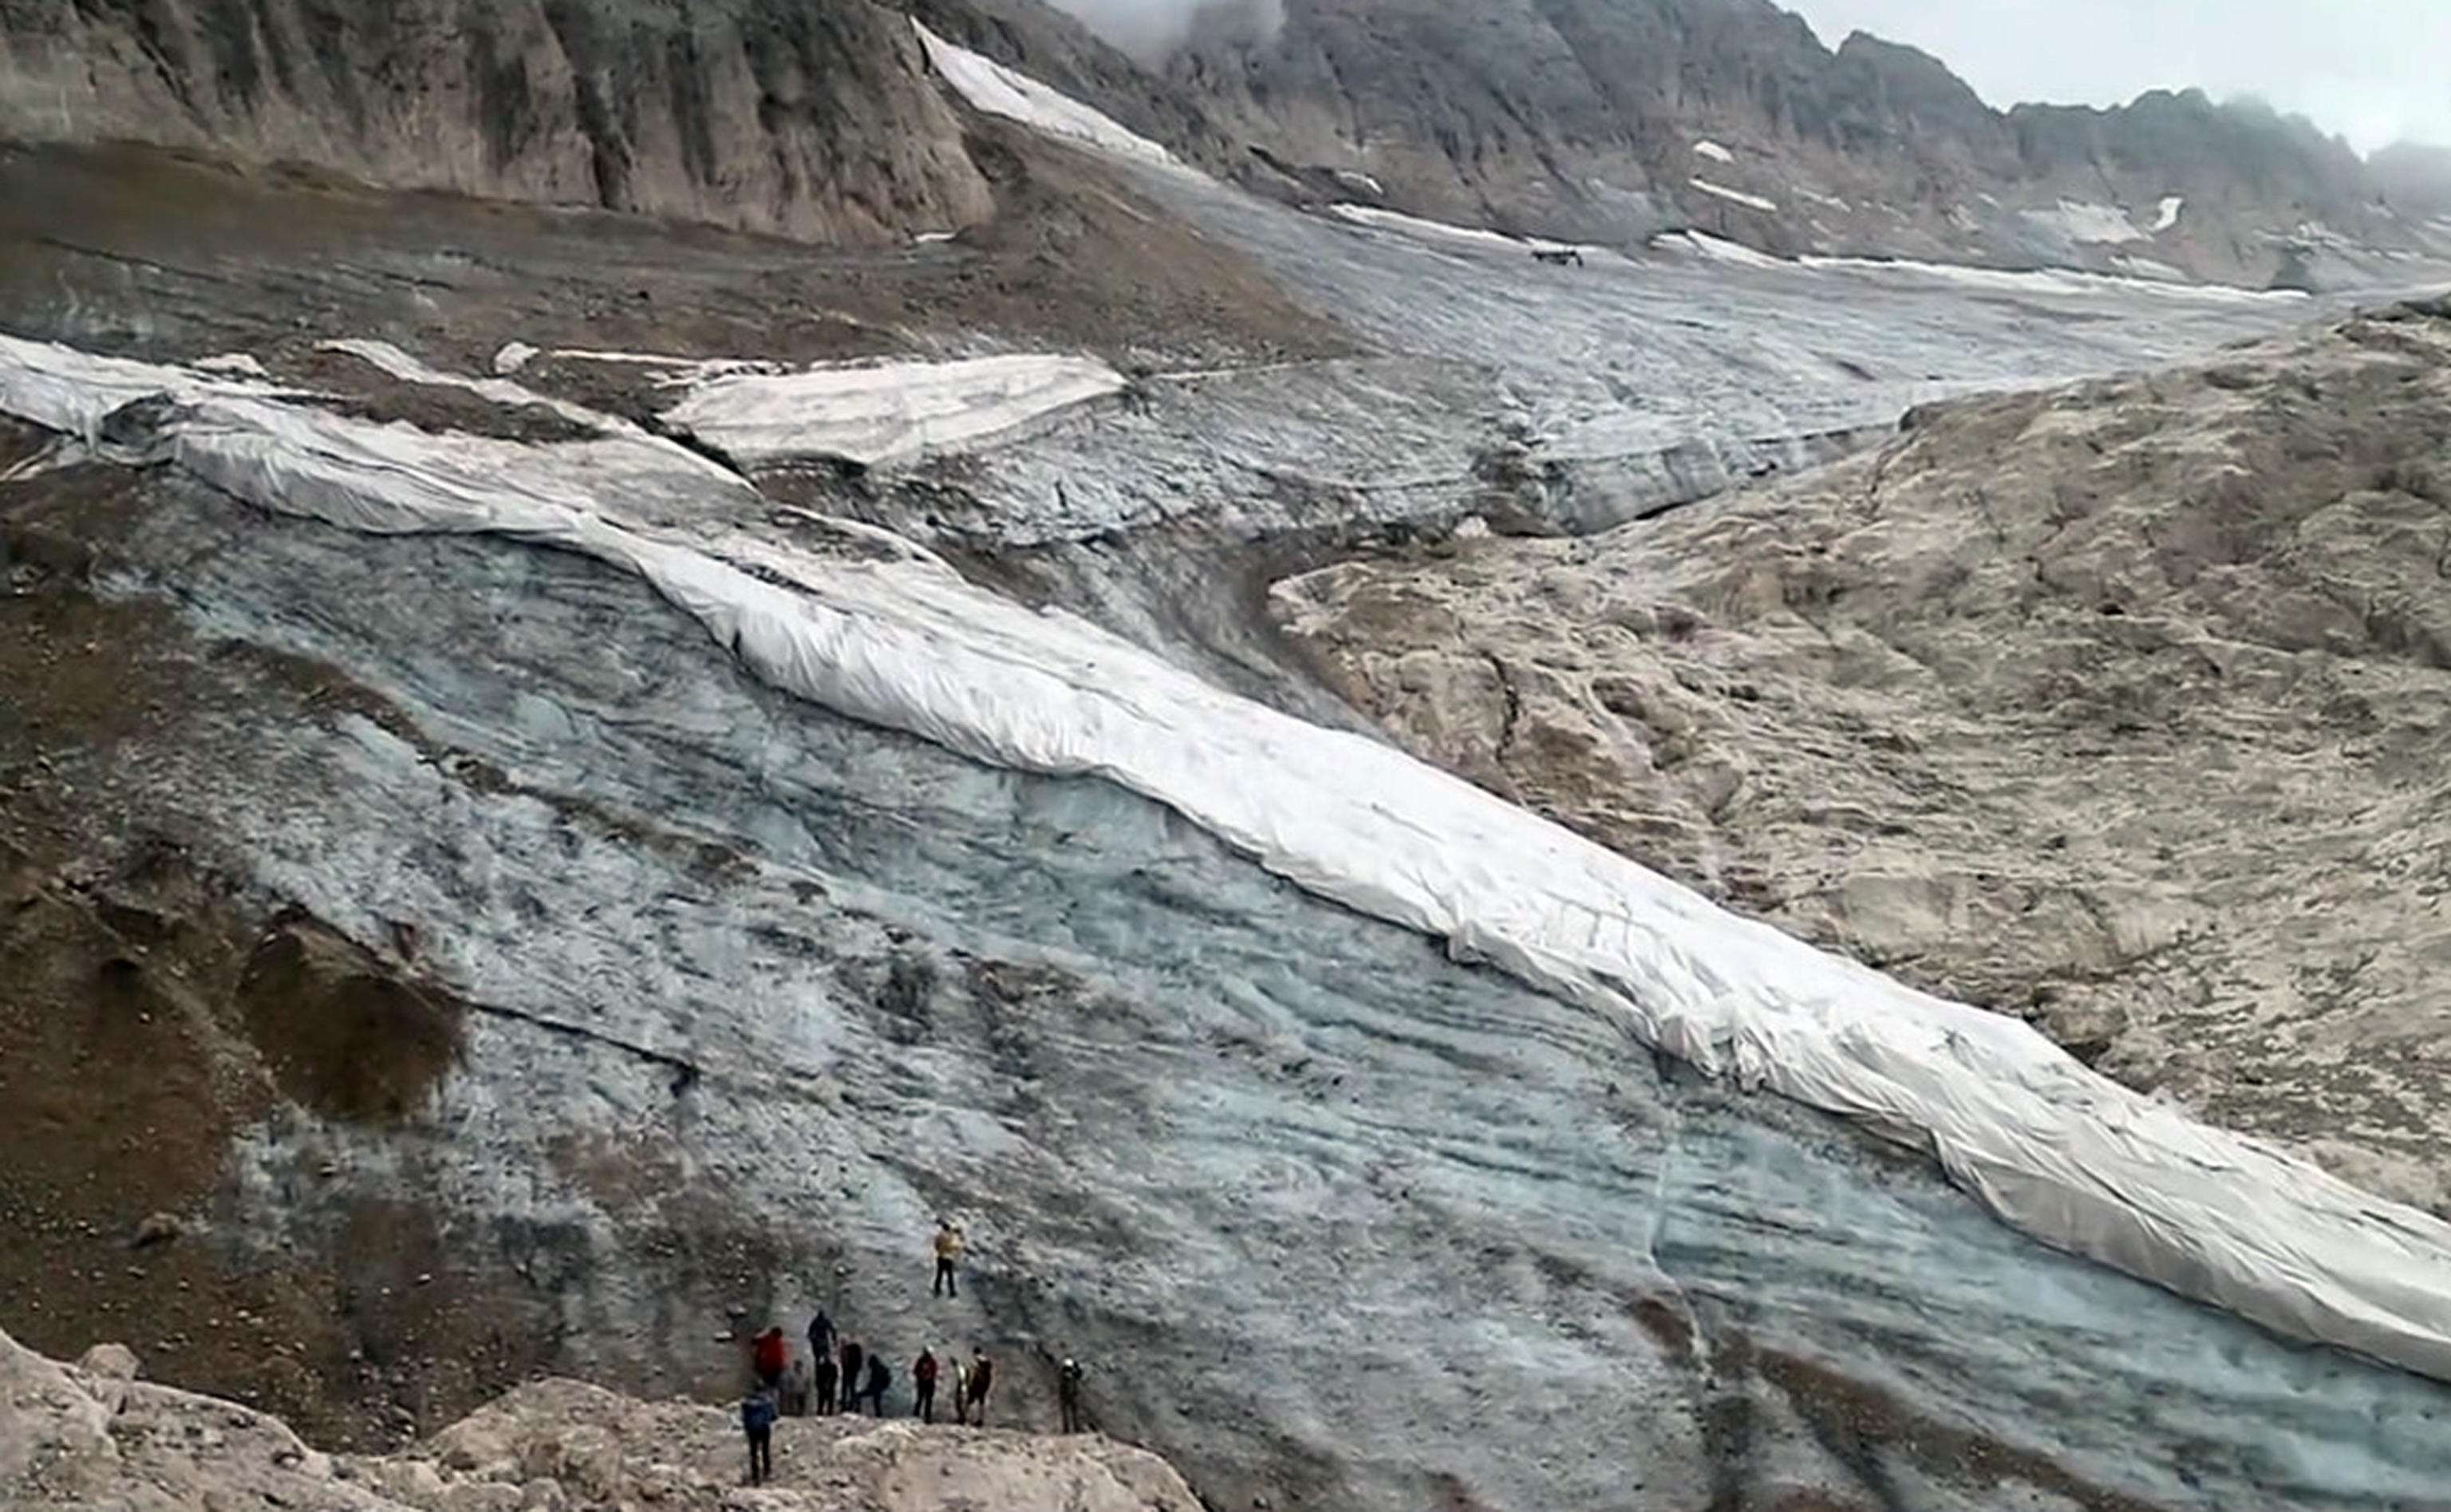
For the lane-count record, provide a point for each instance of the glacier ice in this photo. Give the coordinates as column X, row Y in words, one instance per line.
column 2061, row 1152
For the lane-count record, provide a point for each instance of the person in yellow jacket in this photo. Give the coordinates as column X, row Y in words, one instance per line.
column 948, row 1249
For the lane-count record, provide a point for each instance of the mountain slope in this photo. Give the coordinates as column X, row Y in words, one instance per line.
column 1619, row 118
column 816, row 121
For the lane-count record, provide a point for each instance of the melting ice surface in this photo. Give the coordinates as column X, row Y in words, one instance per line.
column 2064, row 1153
column 1755, row 1217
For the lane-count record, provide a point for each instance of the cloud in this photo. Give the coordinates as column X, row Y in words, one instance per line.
column 2373, row 70
column 1151, row 30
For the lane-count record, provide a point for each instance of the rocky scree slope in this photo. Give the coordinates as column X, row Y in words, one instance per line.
column 2122, row 708
column 817, row 120
column 1617, row 119
column 93, row 1435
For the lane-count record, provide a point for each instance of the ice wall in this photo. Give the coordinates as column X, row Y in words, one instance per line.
column 2064, row 1155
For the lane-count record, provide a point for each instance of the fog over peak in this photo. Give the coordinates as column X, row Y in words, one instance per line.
column 1149, row 29
column 2372, row 70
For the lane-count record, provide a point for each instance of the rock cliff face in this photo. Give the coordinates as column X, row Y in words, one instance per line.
column 93, row 1435
column 1619, row 118
column 811, row 120
column 2121, row 708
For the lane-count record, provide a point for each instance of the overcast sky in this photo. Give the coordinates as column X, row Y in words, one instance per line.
column 2373, row 70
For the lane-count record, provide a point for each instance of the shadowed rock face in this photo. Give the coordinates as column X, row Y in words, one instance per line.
column 811, row 120
column 2123, row 709
column 1599, row 117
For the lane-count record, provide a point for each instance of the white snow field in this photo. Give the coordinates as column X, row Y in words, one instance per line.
column 2168, row 216
column 1720, row 191
column 885, row 412
column 2080, row 221
column 2056, row 1150
column 1428, row 230
column 1714, row 151
column 991, row 86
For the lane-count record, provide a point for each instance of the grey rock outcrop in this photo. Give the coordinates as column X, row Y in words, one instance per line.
column 86, row 1438
column 810, row 120
column 2121, row 708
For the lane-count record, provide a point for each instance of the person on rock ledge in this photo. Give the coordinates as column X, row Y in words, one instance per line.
column 827, row 1374
column 948, row 1249
column 923, row 1386
column 1067, row 1394
column 767, row 1359
column 879, row 1377
column 821, row 1336
column 982, row 1377
column 852, row 1358
column 758, row 1422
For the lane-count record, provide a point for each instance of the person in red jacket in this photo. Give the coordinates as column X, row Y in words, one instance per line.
column 923, row 1382
column 768, row 1358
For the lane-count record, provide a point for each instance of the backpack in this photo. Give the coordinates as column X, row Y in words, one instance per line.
column 758, row 1412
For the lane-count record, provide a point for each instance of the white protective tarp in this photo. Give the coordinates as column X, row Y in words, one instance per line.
column 2064, row 1155
column 885, row 412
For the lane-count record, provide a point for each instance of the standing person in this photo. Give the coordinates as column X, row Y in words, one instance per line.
column 948, row 1249
column 982, row 1378
column 767, row 1356
column 923, row 1386
column 827, row 1372
column 1067, row 1394
column 878, row 1379
column 852, row 1358
column 961, row 1388
column 795, row 1390
column 758, row 1422
column 821, row 1336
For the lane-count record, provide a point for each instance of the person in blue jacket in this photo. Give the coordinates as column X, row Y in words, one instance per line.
column 758, row 1422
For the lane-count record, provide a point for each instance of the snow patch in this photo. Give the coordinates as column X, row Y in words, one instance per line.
column 2173, row 204
column 991, row 86
column 512, row 356
column 1750, row 202
column 931, row 238
column 1719, row 249
column 1355, row 179
column 2069, row 1155
column 1714, row 151
column 243, row 364
column 885, row 412
column 1372, row 215
column 2078, row 220
column 2157, row 278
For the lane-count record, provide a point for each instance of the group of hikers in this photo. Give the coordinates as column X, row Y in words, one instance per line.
column 839, row 1374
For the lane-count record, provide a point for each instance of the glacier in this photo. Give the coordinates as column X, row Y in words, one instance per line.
column 906, row 645
column 1377, row 1141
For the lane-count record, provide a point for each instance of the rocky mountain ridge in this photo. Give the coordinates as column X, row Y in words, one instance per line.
column 1610, row 120
column 1613, row 120
column 817, row 122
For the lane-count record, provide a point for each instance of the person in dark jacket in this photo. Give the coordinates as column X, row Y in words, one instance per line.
column 821, row 1336
column 923, row 1386
column 852, row 1358
column 758, row 1422
column 1067, row 1394
column 878, row 1379
column 982, row 1378
column 827, row 1373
